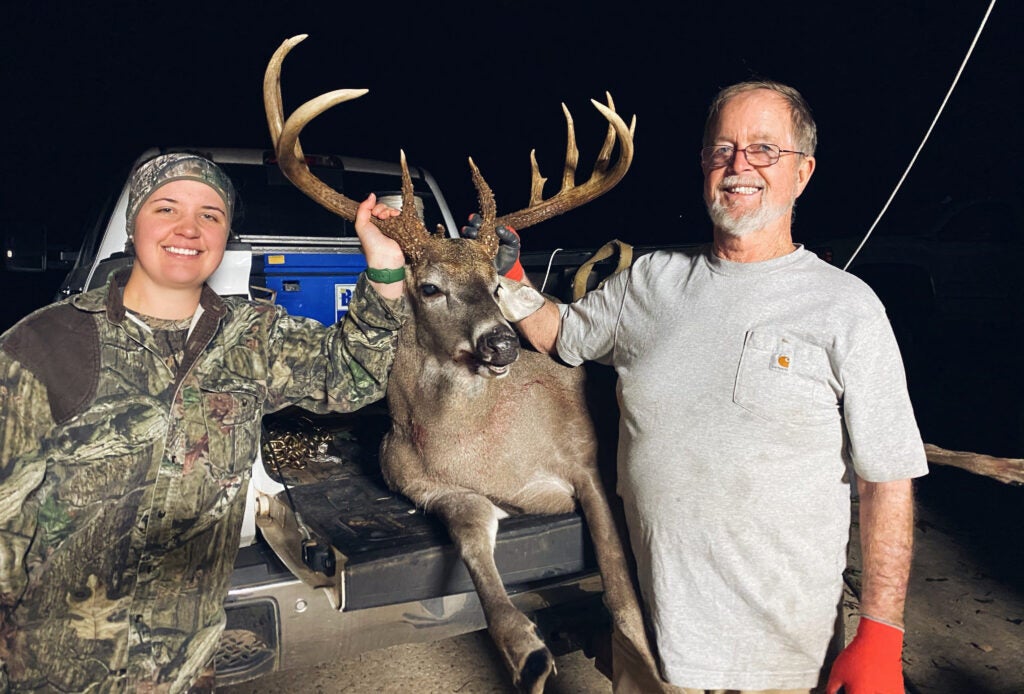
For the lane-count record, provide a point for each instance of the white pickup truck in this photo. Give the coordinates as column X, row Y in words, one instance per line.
column 361, row 568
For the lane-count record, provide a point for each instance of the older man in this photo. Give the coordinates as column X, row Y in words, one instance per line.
column 752, row 378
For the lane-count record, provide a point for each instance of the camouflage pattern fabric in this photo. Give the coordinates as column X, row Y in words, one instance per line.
column 120, row 518
column 176, row 166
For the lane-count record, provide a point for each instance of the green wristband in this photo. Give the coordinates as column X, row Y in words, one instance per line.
column 395, row 274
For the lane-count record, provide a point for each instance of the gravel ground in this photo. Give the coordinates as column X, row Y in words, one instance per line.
column 466, row 664
column 965, row 602
column 965, row 615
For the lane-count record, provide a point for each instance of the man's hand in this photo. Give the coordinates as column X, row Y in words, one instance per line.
column 381, row 252
column 506, row 262
column 872, row 663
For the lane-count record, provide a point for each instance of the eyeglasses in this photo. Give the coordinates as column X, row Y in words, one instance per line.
column 758, row 154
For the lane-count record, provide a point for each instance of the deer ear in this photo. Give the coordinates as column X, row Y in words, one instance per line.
column 517, row 301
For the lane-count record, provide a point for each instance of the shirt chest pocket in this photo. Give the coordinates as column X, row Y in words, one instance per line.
column 230, row 403
column 232, row 412
column 784, row 379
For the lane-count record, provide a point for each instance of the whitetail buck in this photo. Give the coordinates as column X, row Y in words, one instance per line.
column 481, row 428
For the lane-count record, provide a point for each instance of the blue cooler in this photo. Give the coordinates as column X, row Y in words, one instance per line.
column 316, row 285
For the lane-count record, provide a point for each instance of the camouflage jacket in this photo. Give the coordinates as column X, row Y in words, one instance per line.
column 122, row 483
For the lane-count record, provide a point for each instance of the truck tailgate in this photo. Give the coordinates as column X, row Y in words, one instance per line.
column 388, row 551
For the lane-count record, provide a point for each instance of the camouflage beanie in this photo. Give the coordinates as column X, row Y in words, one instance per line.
column 153, row 173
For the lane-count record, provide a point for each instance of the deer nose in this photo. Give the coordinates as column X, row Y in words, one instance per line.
column 498, row 347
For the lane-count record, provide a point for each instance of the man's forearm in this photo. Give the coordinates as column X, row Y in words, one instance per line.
column 886, row 535
column 541, row 328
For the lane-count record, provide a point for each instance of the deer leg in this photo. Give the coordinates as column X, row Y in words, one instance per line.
column 472, row 522
column 620, row 595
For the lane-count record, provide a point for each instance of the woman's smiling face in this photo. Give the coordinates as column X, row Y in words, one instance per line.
column 181, row 232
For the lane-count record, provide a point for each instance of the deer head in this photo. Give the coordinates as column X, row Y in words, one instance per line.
column 445, row 273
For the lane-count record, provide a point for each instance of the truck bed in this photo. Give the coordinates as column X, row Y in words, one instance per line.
column 391, row 552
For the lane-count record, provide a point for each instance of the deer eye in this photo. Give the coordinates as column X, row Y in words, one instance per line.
column 429, row 289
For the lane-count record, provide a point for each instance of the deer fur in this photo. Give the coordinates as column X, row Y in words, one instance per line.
column 480, row 427
column 473, row 446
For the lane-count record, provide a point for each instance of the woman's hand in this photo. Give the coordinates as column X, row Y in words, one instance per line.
column 382, row 253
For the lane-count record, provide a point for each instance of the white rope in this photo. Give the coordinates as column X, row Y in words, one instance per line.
column 949, row 93
column 547, row 273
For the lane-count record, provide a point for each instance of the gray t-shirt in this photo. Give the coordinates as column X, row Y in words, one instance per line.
column 746, row 389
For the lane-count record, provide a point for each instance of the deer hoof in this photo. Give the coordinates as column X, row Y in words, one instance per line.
column 538, row 667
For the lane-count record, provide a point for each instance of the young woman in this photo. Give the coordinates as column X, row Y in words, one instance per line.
column 129, row 420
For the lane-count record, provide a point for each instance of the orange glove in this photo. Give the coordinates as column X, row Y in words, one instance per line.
column 872, row 663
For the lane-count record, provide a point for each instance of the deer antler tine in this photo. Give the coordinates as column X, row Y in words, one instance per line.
column 488, row 210
column 572, row 153
column 536, row 180
column 484, row 194
column 602, row 179
column 408, row 213
column 605, row 155
column 406, row 229
column 625, row 138
column 611, row 105
column 408, row 199
column 314, row 107
column 284, row 133
column 272, row 100
column 293, row 163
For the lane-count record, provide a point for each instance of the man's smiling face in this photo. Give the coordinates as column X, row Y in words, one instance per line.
column 741, row 198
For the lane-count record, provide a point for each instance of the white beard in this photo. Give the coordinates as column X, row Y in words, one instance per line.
column 740, row 224
column 724, row 219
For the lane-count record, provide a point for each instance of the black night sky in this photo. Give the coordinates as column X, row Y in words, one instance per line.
column 88, row 86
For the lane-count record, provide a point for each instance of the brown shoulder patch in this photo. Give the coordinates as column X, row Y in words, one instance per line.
column 60, row 345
